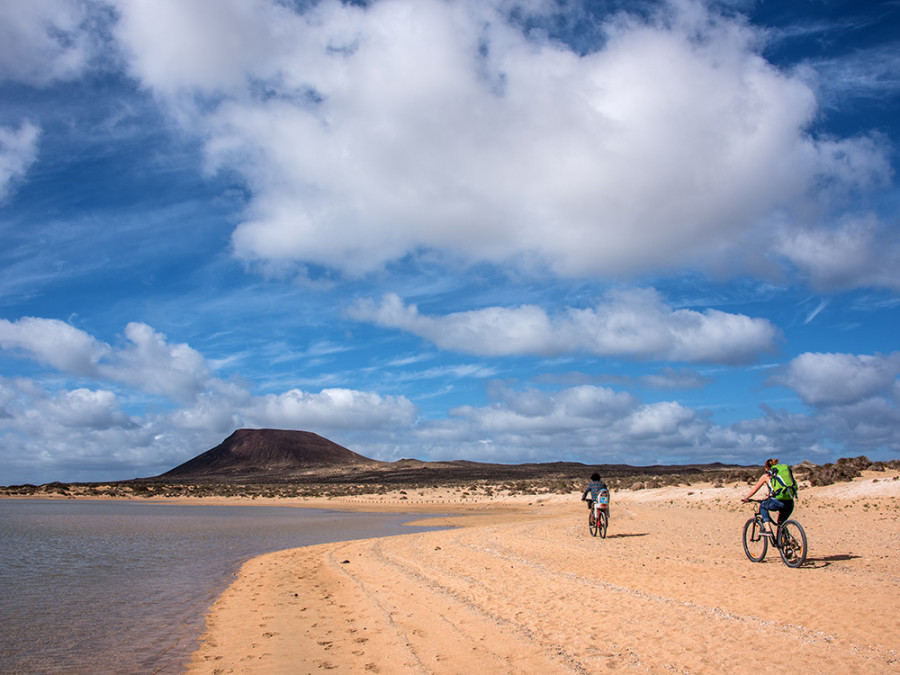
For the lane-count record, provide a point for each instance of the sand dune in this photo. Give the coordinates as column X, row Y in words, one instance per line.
column 521, row 587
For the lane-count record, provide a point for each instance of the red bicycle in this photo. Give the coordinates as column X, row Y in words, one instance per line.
column 598, row 514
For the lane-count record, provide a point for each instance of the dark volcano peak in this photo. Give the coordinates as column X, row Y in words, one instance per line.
column 268, row 451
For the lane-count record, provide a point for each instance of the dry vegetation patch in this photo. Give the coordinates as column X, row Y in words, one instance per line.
column 466, row 480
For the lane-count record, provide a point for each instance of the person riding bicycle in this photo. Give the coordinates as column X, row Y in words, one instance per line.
column 594, row 488
column 782, row 490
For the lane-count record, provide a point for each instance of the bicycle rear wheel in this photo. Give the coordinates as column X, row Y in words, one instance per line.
column 601, row 526
column 592, row 523
column 792, row 543
column 755, row 545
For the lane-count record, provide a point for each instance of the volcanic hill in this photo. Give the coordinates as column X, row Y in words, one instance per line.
column 254, row 452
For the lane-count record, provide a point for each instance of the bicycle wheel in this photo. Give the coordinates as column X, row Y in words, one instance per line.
column 592, row 523
column 604, row 521
column 792, row 543
column 755, row 545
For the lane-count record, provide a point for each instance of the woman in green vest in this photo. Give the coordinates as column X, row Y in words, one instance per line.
column 782, row 490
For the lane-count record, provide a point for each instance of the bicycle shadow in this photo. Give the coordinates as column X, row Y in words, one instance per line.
column 625, row 535
column 820, row 562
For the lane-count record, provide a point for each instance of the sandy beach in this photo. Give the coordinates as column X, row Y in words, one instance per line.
column 518, row 585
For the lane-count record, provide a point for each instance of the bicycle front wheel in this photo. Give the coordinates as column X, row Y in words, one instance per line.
column 592, row 523
column 792, row 543
column 604, row 521
column 755, row 545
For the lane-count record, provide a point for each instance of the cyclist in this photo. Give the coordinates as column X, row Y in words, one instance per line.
column 594, row 488
column 782, row 490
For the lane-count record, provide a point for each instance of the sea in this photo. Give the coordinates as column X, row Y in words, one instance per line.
column 124, row 586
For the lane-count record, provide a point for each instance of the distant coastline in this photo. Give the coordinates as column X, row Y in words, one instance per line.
column 459, row 479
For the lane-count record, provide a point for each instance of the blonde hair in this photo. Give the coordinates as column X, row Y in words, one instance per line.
column 770, row 463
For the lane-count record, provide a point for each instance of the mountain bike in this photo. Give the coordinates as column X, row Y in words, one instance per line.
column 790, row 539
column 598, row 516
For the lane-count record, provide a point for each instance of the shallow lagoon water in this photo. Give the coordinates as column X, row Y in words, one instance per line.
column 123, row 587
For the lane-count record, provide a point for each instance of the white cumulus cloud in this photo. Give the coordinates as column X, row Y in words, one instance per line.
column 335, row 408
column 53, row 343
column 85, row 409
column 149, row 362
column 631, row 324
column 841, row 379
column 202, row 45
column 859, row 252
column 659, row 419
column 43, row 40
column 368, row 133
column 584, row 423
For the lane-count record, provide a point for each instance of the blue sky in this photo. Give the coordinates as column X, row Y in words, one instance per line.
column 641, row 232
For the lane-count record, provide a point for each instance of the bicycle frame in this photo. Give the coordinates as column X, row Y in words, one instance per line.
column 597, row 523
column 790, row 539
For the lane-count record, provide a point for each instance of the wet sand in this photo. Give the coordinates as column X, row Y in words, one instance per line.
column 520, row 586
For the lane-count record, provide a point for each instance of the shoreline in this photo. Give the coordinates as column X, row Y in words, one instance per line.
column 519, row 585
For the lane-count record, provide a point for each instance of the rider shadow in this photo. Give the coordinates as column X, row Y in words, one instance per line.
column 826, row 560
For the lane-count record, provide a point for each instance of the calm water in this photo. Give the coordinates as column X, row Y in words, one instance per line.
column 123, row 587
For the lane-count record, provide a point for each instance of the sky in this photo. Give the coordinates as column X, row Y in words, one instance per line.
column 606, row 231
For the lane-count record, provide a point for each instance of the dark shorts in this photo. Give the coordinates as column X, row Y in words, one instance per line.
column 784, row 508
